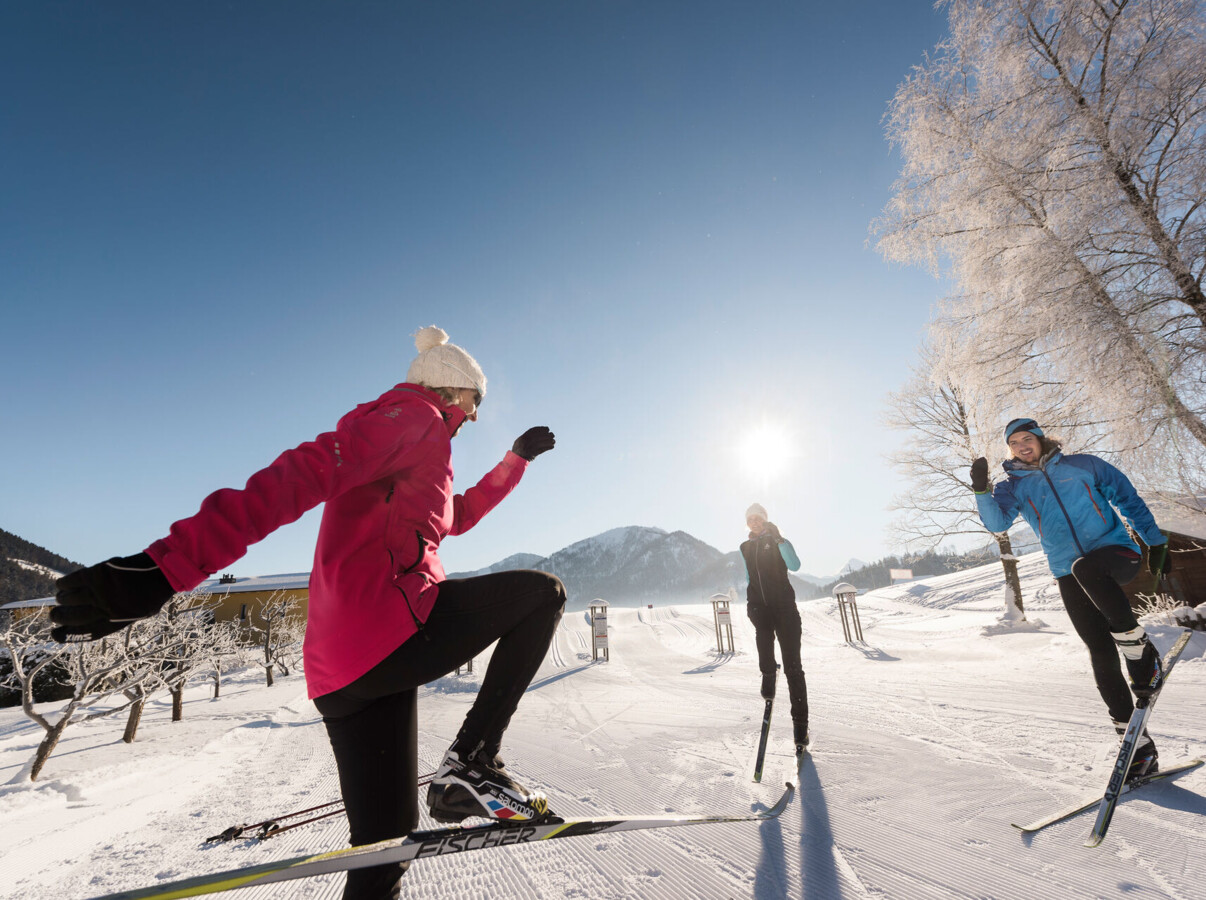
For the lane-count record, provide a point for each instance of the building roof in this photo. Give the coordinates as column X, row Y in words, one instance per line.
column 1182, row 515
column 292, row 581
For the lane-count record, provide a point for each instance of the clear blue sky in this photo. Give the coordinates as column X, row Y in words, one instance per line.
column 221, row 223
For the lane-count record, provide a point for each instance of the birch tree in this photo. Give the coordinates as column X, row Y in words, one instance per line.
column 1054, row 168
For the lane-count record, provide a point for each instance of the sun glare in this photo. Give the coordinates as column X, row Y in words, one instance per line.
column 766, row 451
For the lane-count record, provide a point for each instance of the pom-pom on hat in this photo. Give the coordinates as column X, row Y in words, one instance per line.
column 757, row 509
column 1023, row 425
column 441, row 364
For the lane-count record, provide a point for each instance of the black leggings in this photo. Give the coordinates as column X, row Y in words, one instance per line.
column 1097, row 606
column 372, row 722
column 781, row 620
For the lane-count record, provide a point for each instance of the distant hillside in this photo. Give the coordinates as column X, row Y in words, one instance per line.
column 635, row 565
column 876, row 575
column 28, row 571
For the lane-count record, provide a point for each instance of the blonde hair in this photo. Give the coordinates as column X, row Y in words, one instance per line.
column 449, row 395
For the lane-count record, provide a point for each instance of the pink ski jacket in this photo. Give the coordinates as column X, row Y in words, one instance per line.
column 385, row 474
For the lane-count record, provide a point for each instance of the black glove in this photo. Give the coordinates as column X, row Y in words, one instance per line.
column 773, row 530
column 1159, row 560
column 979, row 475
column 104, row 598
column 533, row 442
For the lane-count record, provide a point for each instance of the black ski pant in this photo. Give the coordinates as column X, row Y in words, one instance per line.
column 372, row 722
column 1097, row 606
column 781, row 620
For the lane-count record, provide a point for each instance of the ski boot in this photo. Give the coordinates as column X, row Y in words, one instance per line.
column 1142, row 661
column 768, row 685
column 471, row 782
column 800, row 733
column 1146, row 760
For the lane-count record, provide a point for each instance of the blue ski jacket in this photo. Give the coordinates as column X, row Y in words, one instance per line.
column 1070, row 503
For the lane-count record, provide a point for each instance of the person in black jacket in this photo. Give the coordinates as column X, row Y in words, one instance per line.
column 771, row 606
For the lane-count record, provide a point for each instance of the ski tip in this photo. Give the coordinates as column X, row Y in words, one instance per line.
column 781, row 803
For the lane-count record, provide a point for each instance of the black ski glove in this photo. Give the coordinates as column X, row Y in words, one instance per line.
column 773, row 530
column 533, row 442
column 979, row 475
column 1159, row 560
column 104, row 598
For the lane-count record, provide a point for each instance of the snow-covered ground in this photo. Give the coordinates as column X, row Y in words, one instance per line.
column 930, row 738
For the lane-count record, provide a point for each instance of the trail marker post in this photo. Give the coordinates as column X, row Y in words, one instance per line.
column 723, row 618
column 598, row 629
column 851, row 627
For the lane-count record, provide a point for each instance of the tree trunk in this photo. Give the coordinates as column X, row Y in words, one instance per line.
column 268, row 651
column 47, row 746
column 1013, row 584
column 133, row 720
column 178, row 703
column 217, row 680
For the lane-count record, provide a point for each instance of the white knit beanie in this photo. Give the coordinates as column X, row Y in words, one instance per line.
column 758, row 510
column 441, row 364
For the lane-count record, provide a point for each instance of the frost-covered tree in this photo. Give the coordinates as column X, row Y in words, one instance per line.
column 183, row 645
column 279, row 634
column 1054, row 168
column 172, row 645
column 224, row 650
column 948, row 425
column 97, row 670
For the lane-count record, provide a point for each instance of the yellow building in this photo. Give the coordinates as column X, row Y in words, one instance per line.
column 242, row 598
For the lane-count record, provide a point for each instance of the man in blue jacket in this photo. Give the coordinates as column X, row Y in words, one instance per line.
column 1070, row 502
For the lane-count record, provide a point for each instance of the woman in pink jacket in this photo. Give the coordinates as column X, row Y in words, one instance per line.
column 383, row 619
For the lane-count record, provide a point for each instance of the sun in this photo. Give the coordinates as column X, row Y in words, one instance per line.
column 766, row 451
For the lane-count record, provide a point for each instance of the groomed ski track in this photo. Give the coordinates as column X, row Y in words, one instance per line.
column 928, row 740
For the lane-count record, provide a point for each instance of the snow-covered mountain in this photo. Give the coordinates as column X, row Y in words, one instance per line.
column 852, row 565
column 635, row 565
column 37, row 568
column 817, row 580
column 514, row 561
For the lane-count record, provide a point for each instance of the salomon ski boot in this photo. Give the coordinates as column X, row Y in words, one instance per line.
column 474, row 783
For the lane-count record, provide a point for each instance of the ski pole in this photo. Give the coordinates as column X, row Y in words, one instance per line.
column 269, row 828
column 236, row 831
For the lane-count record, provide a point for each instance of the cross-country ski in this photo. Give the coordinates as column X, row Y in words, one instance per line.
column 768, row 708
column 1093, row 801
column 435, row 843
column 1130, row 741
